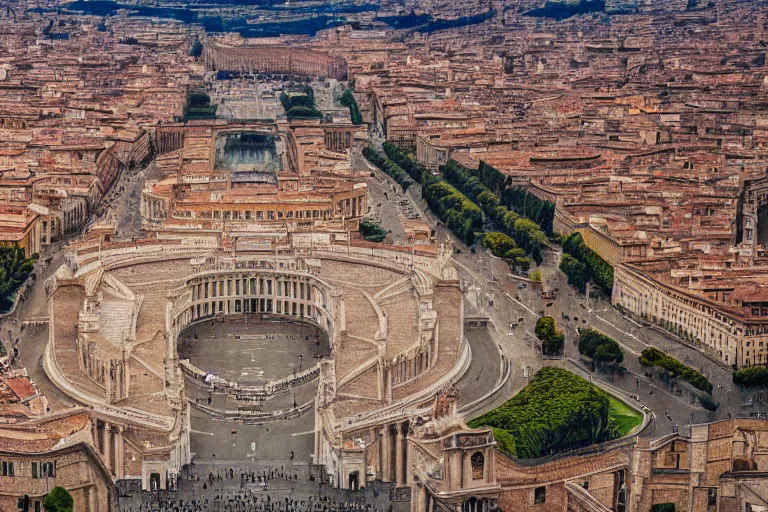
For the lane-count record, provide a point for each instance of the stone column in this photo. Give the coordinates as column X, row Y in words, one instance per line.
column 419, row 501
column 399, row 459
column 107, row 442
column 92, row 499
column 119, row 452
column 385, row 455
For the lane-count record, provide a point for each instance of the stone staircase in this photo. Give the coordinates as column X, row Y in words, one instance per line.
column 402, row 312
column 579, row 500
column 362, row 319
column 116, row 319
column 396, row 288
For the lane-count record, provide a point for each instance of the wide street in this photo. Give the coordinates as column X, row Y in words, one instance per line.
column 513, row 306
column 513, row 299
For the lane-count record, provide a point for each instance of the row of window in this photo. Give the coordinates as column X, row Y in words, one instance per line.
column 268, row 215
column 39, row 469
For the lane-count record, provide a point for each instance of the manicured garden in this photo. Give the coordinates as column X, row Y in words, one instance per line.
column 557, row 411
column 623, row 416
column 300, row 105
column 199, row 106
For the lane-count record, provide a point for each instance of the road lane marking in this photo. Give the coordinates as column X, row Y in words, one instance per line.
column 523, row 305
column 623, row 332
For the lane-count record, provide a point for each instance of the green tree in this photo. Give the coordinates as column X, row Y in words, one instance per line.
column 708, row 403
column 552, row 339
column 15, row 268
column 508, row 220
column 389, row 167
column 652, row 356
column 58, row 500
column 596, row 269
column 576, row 271
column 372, row 231
column 347, row 99
column 500, row 244
column 751, row 376
column 487, row 200
column 609, row 353
column 545, row 327
column 302, row 112
column 554, row 344
column 598, row 346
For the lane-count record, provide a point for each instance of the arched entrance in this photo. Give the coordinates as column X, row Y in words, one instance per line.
column 354, row 481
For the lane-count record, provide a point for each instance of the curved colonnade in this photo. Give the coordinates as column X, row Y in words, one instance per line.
column 393, row 319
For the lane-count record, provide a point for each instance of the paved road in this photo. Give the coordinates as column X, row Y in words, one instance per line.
column 670, row 407
column 121, row 202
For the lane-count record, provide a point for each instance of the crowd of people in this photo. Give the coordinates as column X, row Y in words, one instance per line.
column 250, row 490
column 254, row 501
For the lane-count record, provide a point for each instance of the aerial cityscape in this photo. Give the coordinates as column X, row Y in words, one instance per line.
column 384, row 256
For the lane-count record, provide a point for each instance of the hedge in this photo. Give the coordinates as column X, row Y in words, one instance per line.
column 518, row 199
column 300, row 106
column 456, row 210
column 199, row 106
column 459, row 214
column 347, row 99
column 751, row 376
column 503, row 246
column 300, row 112
column 655, row 357
column 593, row 267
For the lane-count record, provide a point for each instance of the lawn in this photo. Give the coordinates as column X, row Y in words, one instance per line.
column 625, row 417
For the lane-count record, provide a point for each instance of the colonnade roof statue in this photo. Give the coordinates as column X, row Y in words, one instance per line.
column 395, row 333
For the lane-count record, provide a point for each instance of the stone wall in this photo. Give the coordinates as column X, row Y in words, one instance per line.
column 274, row 59
column 77, row 469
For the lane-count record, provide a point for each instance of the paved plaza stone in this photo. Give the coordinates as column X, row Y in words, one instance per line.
column 250, row 352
